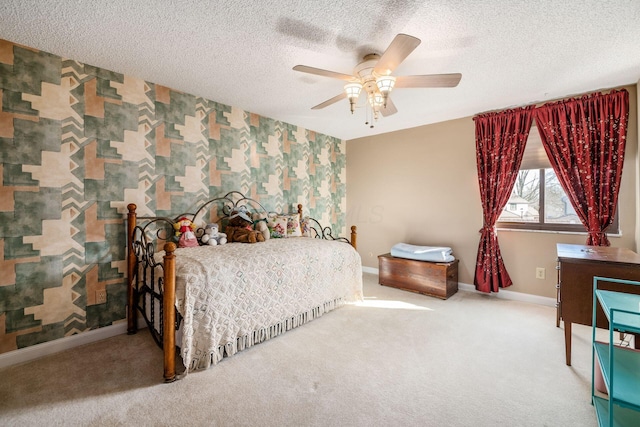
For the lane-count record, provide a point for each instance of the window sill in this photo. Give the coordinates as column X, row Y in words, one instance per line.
column 575, row 233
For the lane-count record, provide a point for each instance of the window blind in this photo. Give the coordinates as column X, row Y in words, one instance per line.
column 534, row 156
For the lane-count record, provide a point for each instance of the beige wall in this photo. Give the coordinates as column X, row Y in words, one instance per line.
column 420, row 186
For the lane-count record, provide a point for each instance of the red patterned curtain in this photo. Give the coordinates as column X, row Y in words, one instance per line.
column 500, row 141
column 585, row 141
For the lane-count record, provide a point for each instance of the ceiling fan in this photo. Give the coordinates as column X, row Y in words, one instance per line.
column 373, row 75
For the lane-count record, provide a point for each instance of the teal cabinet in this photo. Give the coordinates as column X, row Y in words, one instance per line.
column 620, row 365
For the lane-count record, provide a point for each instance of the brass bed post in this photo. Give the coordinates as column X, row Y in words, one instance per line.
column 169, row 309
column 300, row 210
column 354, row 236
column 132, row 324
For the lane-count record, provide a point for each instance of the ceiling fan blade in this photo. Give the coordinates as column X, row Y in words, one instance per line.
column 330, row 101
column 321, row 72
column 429, row 80
column 389, row 109
column 401, row 46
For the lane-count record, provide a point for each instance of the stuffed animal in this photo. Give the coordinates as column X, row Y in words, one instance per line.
column 240, row 228
column 185, row 232
column 212, row 237
column 260, row 224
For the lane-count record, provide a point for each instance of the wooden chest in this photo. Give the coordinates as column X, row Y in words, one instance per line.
column 438, row 279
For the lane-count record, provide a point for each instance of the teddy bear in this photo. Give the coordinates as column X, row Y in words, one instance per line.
column 185, row 232
column 212, row 237
column 260, row 224
column 240, row 227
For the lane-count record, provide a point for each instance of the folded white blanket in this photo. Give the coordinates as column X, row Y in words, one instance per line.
column 422, row 253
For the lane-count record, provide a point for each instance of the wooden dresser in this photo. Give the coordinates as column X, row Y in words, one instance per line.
column 438, row 279
column 577, row 264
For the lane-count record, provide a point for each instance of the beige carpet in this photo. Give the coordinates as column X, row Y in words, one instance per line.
column 399, row 359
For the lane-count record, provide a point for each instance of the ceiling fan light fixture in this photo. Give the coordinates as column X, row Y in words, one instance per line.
column 385, row 85
column 353, row 92
column 376, row 100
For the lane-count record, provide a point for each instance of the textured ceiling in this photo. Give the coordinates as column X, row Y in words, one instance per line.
column 241, row 53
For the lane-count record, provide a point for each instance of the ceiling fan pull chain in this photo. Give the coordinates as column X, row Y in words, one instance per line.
column 372, row 117
column 366, row 114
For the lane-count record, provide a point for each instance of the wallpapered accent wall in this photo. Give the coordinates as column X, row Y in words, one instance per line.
column 78, row 143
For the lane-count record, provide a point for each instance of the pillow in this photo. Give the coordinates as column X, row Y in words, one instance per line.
column 277, row 226
column 293, row 226
column 284, row 226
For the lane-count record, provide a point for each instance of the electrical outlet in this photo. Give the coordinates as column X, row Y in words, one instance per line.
column 540, row 273
column 101, row 296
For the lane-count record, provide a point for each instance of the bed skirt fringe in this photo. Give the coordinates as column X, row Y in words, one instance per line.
column 264, row 334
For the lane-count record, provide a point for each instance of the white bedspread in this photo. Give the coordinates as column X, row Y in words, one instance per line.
column 236, row 295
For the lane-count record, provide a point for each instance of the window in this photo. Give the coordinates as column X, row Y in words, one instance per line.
column 538, row 201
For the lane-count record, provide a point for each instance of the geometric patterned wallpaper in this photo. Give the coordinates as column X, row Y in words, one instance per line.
column 78, row 143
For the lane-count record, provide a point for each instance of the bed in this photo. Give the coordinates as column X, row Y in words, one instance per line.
column 206, row 303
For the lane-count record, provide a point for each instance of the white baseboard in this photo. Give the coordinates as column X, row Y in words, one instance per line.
column 369, row 270
column 40, row 350
column 511, row 295
column 504, row 294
